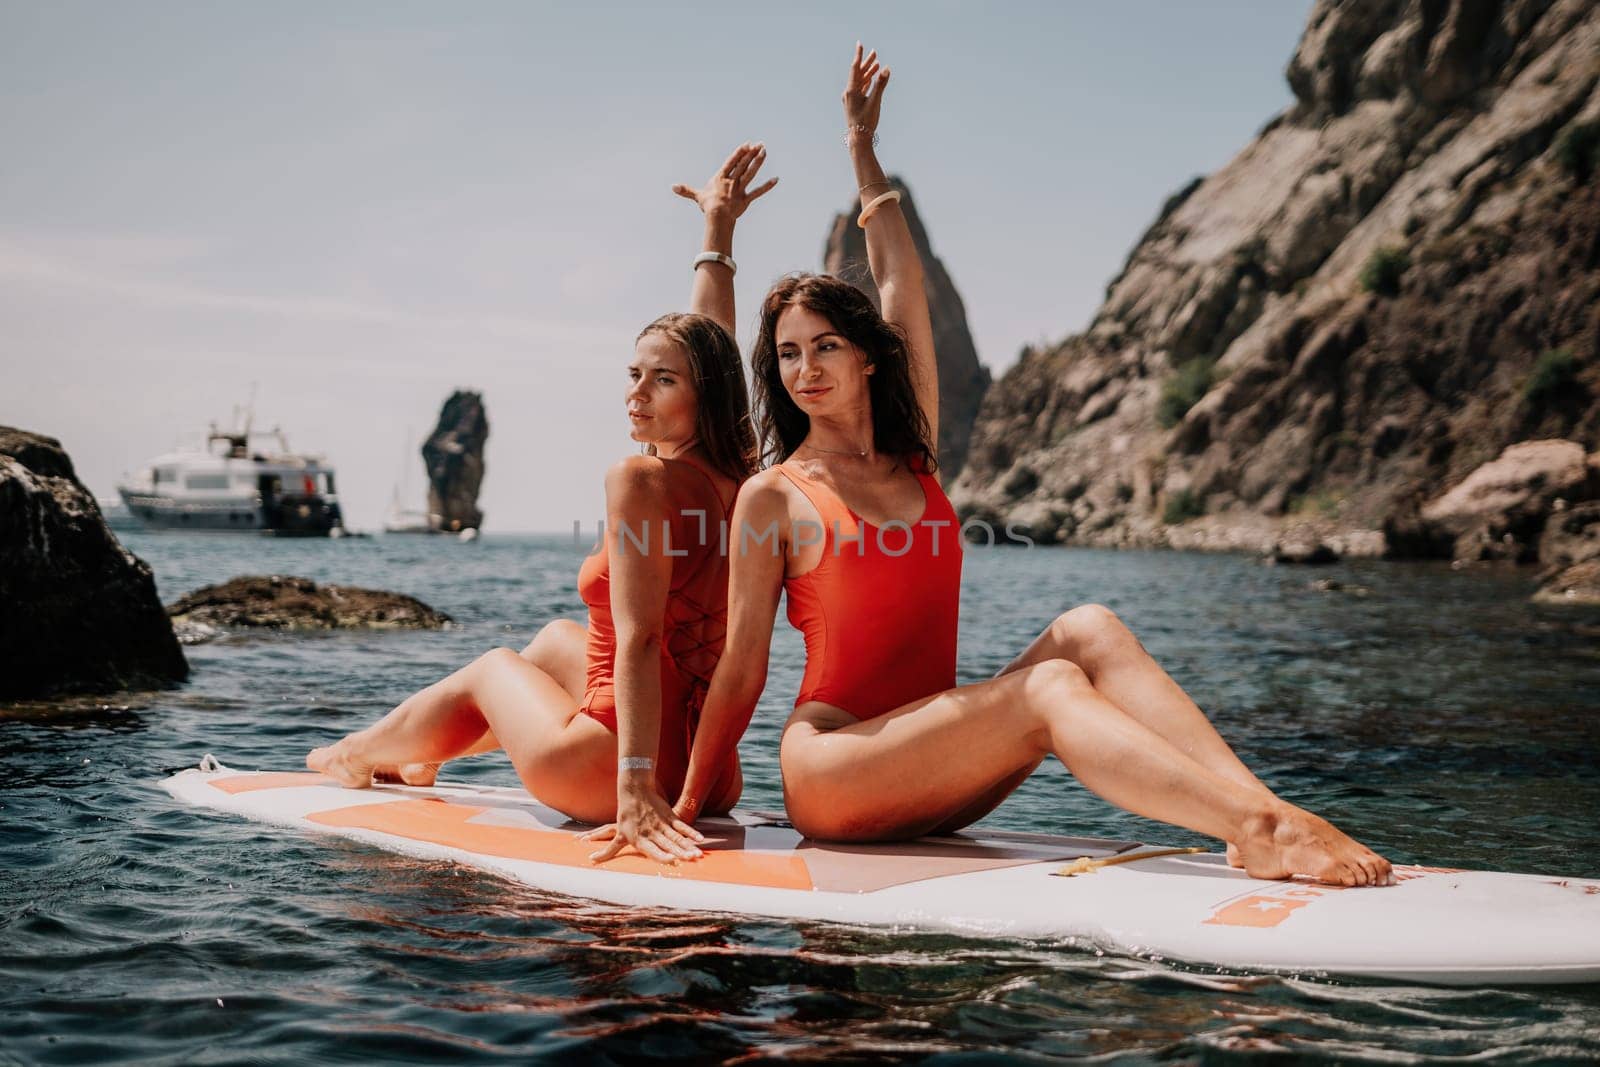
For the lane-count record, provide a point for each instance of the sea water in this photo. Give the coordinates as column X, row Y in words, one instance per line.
column 1436, row 715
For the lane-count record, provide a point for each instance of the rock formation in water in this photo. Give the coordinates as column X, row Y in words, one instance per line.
column 962, row 379
column 453, row 454
column 277, row 602
column 1500, row 510
column 1576, row 585
column 78, row 612
column 1395, row 281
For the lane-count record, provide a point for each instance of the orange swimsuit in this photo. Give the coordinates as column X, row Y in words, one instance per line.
column 696, row 621
column 879, row 611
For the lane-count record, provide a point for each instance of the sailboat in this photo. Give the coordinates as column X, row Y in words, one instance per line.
column 404, row 520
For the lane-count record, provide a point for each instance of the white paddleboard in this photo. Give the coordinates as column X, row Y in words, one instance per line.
column 1436, row 925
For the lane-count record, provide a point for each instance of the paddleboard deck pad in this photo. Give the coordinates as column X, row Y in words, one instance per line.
column 1436, row 925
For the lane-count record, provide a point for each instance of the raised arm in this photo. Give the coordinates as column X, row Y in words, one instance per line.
column 723, row 199
column 891, row 253
column 637, row 502
column 754, row 584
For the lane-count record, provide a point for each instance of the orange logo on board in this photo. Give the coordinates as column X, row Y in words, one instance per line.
column 1255, row 911
column 1271, row 907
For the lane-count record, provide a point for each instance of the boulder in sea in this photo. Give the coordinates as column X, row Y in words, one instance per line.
column 1578, row 584
column 279, row 602
column 1499, row 510
column 1333, row 585
column 453, row 454
column 1571, row 535
column 1304, row 552
column 78, row 612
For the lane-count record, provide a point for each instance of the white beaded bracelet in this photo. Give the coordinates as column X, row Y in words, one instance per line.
column 716, row 257
column 866, row 212
column 636, row 763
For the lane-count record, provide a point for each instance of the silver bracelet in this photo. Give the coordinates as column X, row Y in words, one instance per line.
column 636, row 763
column 848, row 130
column 716, row 257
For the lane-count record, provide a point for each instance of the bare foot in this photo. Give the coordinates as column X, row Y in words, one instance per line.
column 1234, row 859
column 337, row 763
column 1289, row 841
column 407, row 773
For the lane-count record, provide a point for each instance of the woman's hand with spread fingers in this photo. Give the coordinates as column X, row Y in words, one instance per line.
column 728, row 192
column 646, row 822
column 863, row 100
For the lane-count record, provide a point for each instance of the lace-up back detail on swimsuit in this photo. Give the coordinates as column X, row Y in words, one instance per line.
column 879, row 611
column 696, row 622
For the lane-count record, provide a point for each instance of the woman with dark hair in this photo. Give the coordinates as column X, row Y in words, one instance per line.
column 597, row 721
column 852, row 524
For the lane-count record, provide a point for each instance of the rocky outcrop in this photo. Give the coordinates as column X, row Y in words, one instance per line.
column 1571, row 535
column 1499, row 511
column 453, row 454
column 963, row 381
column 1569, row 547
column 1577, row 585
column 1305, row 551
column 78, row 612
column 1395, row 281
column 276, row 602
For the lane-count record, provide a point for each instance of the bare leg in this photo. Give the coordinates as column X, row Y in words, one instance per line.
column 870, row 780
column 1117, row 664
column 559, row 649
column 986, row 802
column 1125, row 674
column 565, row 759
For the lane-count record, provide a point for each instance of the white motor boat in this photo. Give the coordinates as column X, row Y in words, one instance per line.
column 233, row 487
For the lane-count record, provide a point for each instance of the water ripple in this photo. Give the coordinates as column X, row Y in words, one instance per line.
column 1443, row 718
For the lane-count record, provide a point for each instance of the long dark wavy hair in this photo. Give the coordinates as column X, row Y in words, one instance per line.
column 722, row 422
column 899, row 427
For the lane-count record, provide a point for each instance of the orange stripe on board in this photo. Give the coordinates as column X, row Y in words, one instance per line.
column 440, row 823
column 249, row 783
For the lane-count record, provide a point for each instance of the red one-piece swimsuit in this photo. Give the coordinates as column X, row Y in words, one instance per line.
column 879, row 612
column 696, row 621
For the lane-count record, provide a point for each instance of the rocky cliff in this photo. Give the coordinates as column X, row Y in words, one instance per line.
column 453, row 454
column 962, row 379
column 1395, row 281
column 78, row 612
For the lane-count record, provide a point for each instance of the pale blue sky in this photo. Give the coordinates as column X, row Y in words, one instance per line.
column 364, row 205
